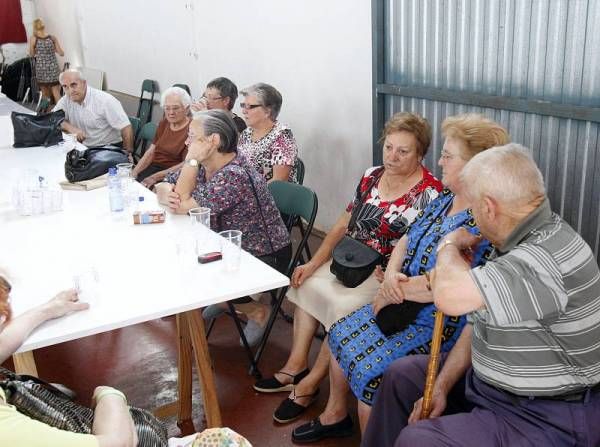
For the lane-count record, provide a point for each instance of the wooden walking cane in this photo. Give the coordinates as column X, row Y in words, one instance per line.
column 434, row 362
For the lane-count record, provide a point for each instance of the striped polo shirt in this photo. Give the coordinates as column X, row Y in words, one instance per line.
column 100, row 116
column 539, row 333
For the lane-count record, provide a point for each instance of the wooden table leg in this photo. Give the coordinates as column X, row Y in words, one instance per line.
column 25, row 363
column 204, row 368
column 184, row 370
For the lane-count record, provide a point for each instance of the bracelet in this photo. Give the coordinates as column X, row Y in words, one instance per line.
column 428, row 278
column 443, row 245
column 106, row 392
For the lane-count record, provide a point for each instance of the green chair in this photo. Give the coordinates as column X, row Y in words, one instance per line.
column 135, row 129
column 146, row 135
column 294, row 221
column 294, row 200
column 144, row 112
column 43, row 105
column 185, row 87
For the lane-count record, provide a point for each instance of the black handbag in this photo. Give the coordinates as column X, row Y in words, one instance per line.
column 37, row 130
column 92, row 162
column 45, row 403
column 352, row 261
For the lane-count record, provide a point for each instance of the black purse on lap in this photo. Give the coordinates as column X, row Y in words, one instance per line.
column 352, row 261
column 37, row 130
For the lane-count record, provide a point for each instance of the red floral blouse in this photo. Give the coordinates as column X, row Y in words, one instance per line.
column 381, row 224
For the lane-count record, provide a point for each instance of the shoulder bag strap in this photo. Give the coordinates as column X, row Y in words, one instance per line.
column 260, row 210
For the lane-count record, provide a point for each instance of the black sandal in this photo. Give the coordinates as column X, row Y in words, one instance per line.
column 289, row 410
column 272, row 385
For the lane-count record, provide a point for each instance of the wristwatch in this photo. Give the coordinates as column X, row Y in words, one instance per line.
column 192, row 162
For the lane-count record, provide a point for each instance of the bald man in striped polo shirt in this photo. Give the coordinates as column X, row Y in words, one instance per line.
column 525, row 371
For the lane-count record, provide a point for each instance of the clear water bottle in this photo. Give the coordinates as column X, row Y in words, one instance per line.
column 115, row 193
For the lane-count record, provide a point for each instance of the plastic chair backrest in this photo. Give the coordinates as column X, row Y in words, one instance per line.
column 135, row 126
column 146, row 104
column 148, row 132
column 300, row 170
column 294, row 199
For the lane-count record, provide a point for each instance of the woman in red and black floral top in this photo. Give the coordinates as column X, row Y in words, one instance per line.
column 398, row 190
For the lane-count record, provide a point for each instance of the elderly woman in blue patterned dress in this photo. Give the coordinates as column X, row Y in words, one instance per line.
column 268, row 145
column 215, row 176
column 400, row 320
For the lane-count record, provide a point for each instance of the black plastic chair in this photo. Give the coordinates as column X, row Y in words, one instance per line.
column 146, row 104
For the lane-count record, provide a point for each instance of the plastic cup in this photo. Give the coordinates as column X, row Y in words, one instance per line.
column 200, row 218
column 231, row 249
column 86, row 283
column 124, row 171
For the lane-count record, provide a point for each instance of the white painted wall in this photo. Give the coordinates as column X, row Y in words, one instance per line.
column 317, row 53
column 61, row 20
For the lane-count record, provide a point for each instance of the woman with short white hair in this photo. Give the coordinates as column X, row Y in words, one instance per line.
column 168, row 150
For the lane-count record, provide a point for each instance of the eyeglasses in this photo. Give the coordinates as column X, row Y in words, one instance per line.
column 245, row 106
column 214, row 98
column 173, row 108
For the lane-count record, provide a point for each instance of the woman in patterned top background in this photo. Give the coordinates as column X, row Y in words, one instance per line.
column 268, row 145
column 43, row 48
column 216, row 177
column 399, row 320
column 397, row 191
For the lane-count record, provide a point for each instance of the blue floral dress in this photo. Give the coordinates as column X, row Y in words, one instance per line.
column 361, row 348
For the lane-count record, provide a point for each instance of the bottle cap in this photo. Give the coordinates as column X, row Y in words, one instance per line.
column 140, row 198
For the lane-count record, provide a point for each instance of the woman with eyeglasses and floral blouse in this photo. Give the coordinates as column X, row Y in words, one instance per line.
column 267, row 144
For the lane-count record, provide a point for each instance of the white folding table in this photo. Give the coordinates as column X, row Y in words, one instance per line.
column 141, row 270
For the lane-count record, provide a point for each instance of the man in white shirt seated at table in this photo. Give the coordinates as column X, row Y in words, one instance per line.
column 95, row 117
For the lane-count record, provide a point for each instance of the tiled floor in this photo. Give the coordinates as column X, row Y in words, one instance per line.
column 141, row 361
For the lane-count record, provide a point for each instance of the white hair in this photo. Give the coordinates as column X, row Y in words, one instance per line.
column 184, row 97
column 506, row 173
column 71, row 71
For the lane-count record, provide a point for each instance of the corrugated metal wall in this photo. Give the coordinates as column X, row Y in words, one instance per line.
column 547, row 50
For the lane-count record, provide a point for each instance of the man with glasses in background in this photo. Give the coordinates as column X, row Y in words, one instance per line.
column 220, row 93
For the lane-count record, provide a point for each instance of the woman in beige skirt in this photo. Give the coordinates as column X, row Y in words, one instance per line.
column 389, row 197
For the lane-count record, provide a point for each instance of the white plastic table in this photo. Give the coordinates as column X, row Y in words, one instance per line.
column 144, row 271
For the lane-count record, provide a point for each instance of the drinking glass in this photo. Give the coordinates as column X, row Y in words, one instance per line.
column 231, row 249
column 86, row 283
column 124, row 173
column 200, row 218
